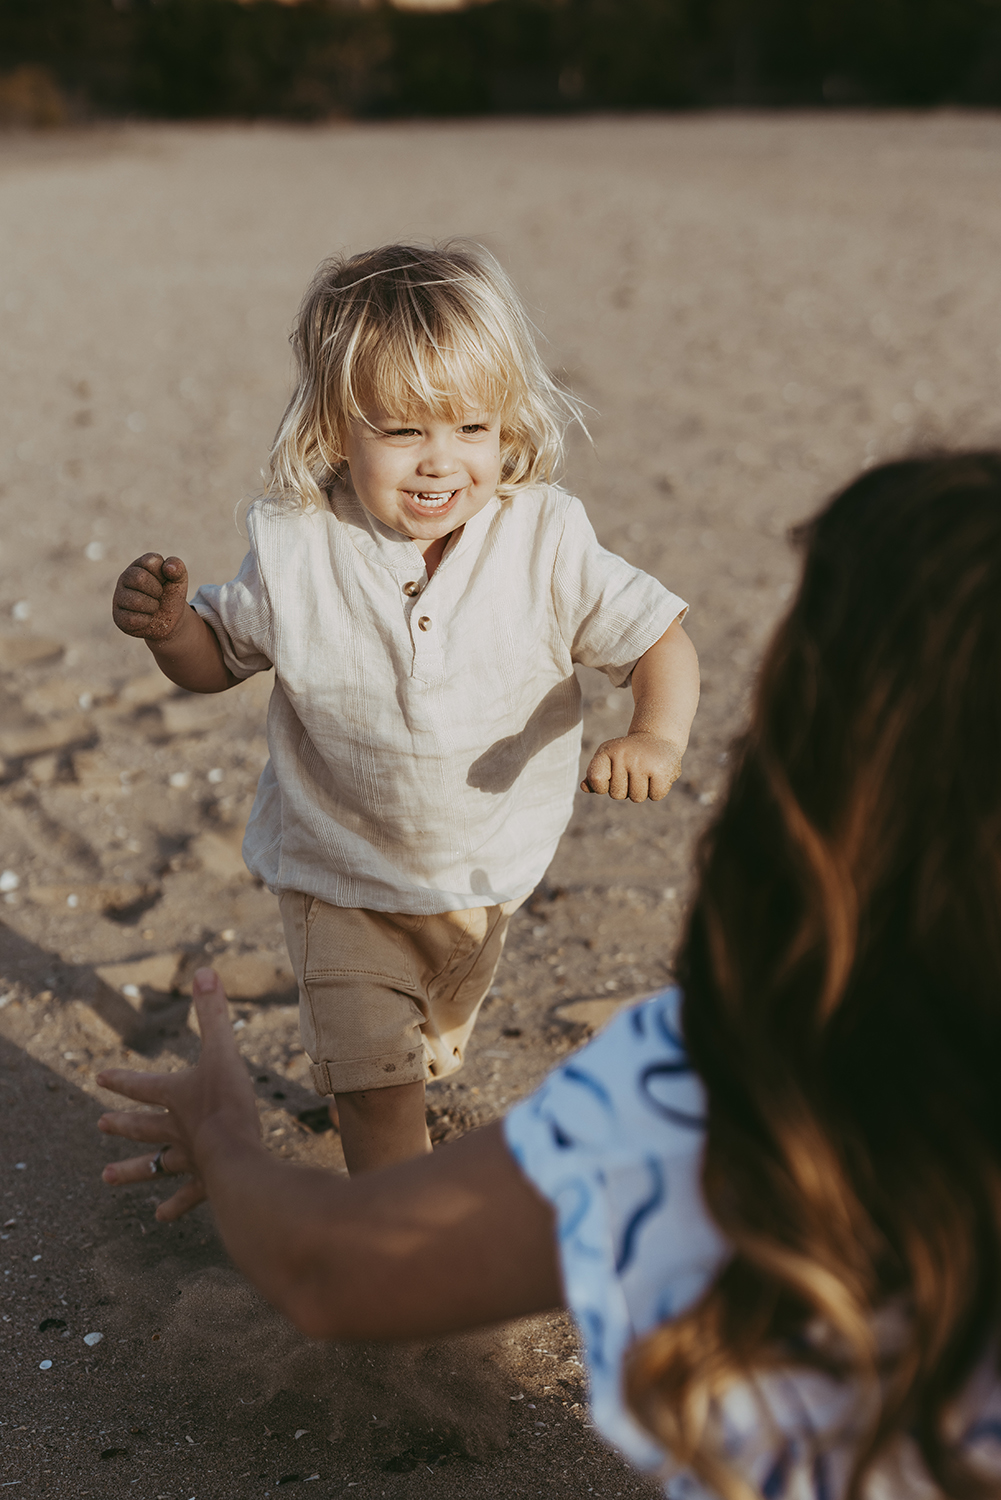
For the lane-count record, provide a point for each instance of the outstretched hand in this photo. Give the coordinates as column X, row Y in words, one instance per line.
column 217, row 1091
column 151, row 597
column 637, row 765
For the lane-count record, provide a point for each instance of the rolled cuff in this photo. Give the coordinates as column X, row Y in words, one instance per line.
column 362, row 1073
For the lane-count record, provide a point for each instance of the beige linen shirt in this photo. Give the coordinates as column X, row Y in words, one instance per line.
column 424, row 735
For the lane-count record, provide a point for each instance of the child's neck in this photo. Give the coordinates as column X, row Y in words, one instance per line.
column 435, row 551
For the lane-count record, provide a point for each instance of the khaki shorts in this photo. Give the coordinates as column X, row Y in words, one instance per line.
column 387, row 998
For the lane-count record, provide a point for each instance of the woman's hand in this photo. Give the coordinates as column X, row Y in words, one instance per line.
column 215, row 1093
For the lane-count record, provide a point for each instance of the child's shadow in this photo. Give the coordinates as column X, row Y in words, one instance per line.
column 498, row 768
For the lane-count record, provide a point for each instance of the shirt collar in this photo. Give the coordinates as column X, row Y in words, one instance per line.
column 387, row 548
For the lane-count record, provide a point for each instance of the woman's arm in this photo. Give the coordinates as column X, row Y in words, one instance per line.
column 449, row 1241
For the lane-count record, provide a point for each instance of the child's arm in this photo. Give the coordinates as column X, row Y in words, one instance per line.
column 647, row 761
column 151, row 602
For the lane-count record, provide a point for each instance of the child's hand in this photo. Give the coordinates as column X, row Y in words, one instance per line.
column 637, row 766
column 151, row 597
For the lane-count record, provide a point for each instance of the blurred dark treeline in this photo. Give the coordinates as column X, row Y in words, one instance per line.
column 322, row 58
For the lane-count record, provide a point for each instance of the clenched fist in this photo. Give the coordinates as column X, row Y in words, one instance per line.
column 151, row 597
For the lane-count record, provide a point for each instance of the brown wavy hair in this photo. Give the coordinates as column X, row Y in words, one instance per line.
column 842, row 978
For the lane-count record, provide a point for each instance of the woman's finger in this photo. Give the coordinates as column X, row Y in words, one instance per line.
column 137, row 1124
column 140, row 1168
column 212, row 1010
column 146, row 1088
column 135, row 1169
column 187, row 1197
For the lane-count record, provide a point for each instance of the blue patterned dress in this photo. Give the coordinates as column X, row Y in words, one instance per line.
column 614, row 1140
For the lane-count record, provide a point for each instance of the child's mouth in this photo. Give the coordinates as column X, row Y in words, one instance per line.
column 432, row 500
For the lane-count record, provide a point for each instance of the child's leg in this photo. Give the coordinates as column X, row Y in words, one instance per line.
column 361, row 1025
column 387, row 996
column 382, row 1126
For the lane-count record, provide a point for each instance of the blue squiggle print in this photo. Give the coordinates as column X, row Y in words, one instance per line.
column 642, row 1211
column 666, row 1111
column 587, row 1081
column 666, row 1028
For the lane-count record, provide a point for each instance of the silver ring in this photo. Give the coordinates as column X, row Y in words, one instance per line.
column 156, row 1166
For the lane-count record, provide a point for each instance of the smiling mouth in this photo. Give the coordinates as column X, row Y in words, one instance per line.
column 431, row 500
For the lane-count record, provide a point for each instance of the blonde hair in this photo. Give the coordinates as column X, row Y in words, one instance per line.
column 409, row 330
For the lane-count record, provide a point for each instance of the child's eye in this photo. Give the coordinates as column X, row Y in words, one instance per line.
column 473, row 427
column 402, row 432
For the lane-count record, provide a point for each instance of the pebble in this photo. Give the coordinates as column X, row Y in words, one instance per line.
column 9, row 880
column 155, row 972
column 250, row 976
column 46, row 1364
column 22, row 650
column 592, row 1013
column 220, row 853
column 141, row 692
column 92, row 1338
column 36, row 739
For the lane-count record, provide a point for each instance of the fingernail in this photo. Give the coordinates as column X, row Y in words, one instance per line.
column 204, row 980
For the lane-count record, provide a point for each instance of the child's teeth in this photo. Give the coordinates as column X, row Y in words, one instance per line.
column 432, row 500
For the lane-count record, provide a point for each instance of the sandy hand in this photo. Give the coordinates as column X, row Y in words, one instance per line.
column 151, row 597
column 637, row 766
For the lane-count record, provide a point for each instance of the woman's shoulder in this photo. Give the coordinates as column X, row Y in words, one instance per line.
column 614, row 1140
column 633, row 1081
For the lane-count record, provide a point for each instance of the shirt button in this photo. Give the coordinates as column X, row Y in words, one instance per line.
column 424, row 623
column 411, row 590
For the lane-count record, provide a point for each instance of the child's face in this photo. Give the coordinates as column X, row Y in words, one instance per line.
column 423, row 476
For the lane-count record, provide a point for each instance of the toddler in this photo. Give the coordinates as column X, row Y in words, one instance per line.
column 422, row 592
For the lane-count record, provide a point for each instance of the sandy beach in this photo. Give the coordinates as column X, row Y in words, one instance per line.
column 753, row 307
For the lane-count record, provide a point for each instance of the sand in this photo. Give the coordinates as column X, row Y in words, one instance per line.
column 753, row 306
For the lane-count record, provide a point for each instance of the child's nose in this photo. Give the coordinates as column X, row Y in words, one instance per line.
column 437, row 458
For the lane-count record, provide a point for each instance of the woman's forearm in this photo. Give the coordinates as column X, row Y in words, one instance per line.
column 445, row 1242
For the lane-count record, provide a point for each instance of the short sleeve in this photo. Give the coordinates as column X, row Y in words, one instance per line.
column 614, row 1140
column 609, row 612
column 240, row 614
